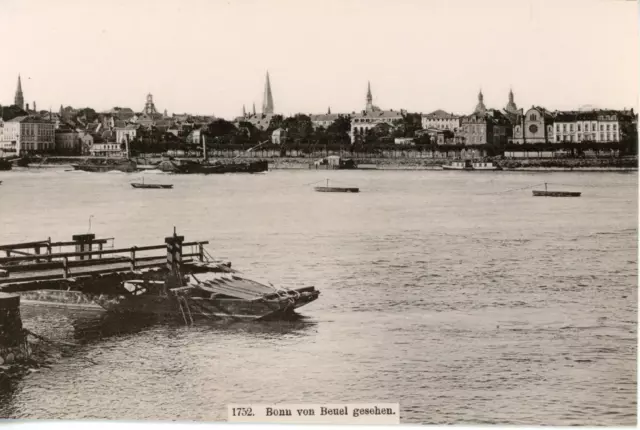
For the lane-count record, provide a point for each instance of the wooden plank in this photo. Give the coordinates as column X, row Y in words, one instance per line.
column 25, row 245
column 4, row 260
column 54, row 275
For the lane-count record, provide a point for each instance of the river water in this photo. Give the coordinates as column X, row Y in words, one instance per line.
column 440, row 291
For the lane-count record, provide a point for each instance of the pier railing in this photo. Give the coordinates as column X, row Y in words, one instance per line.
column 26, row 267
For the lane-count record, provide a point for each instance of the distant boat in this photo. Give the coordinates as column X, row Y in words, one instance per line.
column 329, row 189
column 546, row 193
column 5, row 165
column 139, row 185
column 106, row 165
column 143, row 185
column 469, row 165
column 335, row 162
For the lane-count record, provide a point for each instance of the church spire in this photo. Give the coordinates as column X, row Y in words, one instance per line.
column 480, row 107
column 511, row 105
column 267, row 101
column 369, row 107
column 244, row 112
column 19, row 98
column 329, row 111
column 254, row 109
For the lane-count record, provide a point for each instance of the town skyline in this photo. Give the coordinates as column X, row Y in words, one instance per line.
column 598, row 68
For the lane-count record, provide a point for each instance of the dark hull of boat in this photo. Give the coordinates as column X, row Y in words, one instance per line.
column 105, row 167
column 337, row 190
column 154, row 186
column 177, row 306
column 556, row 194
column 5, row 165
column 205, row 169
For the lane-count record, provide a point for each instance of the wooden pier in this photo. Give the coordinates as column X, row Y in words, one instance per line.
column 85, row 256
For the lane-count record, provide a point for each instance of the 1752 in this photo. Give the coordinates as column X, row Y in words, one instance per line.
column 242, row 412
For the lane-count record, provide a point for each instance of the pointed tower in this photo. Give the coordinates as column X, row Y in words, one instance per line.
column 329, row 111
column 254, row 109
column 480, row 107
column 267, row 100
column 511, row 105
column 34, row 107
column 244, row 112
column 369, row 106
column 19, row 98
column 149, row 106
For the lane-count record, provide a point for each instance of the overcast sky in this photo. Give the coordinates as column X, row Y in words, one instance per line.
column 210, row 56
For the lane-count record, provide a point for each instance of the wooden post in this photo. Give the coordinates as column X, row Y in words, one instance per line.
column 201, row 251
column 100, row 249
column 133, row 259
column 49, row 250
column 65, row 267
column 83, row 244
column 174, row 251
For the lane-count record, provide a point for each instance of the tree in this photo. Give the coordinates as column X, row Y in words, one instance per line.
column 88, row 114
column 221, row 127
column 13, row 111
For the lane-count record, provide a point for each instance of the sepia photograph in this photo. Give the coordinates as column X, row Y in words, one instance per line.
column 319, row 211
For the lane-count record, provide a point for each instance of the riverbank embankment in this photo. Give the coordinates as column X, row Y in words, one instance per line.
column 383, row 163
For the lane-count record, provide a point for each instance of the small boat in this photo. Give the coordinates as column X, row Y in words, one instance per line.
column 329, row 189
column 469, row 165
column 335, row 162
column 546, row 193
column 5, row 165
column 142, row 185
column 156, row 186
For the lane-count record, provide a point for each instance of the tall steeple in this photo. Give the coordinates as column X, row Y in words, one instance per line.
column 369, row 106
column 254, row 109
column 19, row 98
column 480, row 107
column 511, row 105
column 329, row 111
column 244, row 112
column 149, row 106
column 267, row 100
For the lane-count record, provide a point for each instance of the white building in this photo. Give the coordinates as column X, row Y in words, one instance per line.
column 102, row 148
column 26, row 134
column 278, row 136
column 589, row 126
column 441, row 120
column 130, row 130
column 363, row 122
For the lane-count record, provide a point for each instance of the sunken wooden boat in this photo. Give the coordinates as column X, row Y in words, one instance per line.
column 547, row 193
column 156, row 186
column 329, row 189
column 208, row 291
column 186, row 283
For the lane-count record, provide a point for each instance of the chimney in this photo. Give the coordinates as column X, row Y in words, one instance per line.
column 27, row 108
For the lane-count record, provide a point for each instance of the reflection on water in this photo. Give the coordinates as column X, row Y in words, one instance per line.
column 462, row 305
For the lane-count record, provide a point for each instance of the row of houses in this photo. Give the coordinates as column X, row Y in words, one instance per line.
column 494, row 126
column 70, row 132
